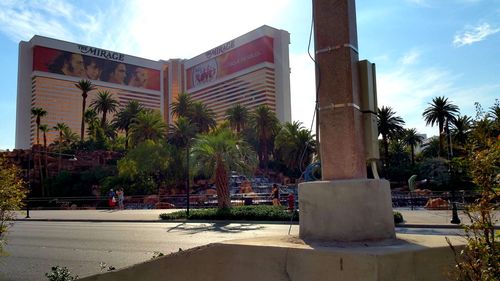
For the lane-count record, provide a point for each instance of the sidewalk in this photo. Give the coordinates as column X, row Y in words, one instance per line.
column 417, row 218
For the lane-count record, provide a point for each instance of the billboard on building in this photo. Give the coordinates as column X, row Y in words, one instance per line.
column 226, row 59
column 110, row 68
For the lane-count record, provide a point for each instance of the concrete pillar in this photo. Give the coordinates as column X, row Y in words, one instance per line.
column 345, row 206
column 341, row 130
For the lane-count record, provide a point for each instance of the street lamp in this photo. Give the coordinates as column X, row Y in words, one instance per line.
column 454, row 217
column 73, row 158
column 187, row 180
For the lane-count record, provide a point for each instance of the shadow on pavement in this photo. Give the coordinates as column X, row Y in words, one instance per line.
column 224, row 227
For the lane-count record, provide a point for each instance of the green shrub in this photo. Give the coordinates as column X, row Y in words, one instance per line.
column 255, row 213
column 250, row 213
column 60, row 274
column 398, row 217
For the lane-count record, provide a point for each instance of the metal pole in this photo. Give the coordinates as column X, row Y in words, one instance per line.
column 454, row 213
column 187, row 180
column 29, row 188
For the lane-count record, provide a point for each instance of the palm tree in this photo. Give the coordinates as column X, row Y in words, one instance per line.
column 180, row 135
column 183, row 106
column 295, row 145
column 439, row 110
column 431, row 148
column 388, row 125
column 92, row 121
column 264, row 123
column 60, row 127
column 69, row 137
column 104, row 103
column 181, row 132
column 237, row 117
column 460, row 129
column 124, row 117
column 148, row 125
column 45, row 128
column 219, row 152
column 85, row 86
column 203, row 117
column 494, row 114
column 38, row 112
column 412, row 139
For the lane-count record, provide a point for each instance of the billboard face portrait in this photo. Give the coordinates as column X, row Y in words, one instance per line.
column 245, row 56
column 93, row 68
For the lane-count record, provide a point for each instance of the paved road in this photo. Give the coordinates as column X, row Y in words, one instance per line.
column 37, row 246
column 81, row 239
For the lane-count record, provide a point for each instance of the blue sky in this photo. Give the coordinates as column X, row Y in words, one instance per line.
column 422, row 48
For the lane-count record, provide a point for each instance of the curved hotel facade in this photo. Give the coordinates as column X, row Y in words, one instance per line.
column 250, row 70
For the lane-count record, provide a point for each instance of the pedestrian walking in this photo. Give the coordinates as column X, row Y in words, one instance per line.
column 291, row 201
column 121, row 196
column 275, row 195
column 111, row 199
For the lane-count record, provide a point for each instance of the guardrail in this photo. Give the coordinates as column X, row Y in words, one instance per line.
column 399, row 199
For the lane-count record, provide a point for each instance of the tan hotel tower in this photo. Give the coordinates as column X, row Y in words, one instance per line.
column 251, row 70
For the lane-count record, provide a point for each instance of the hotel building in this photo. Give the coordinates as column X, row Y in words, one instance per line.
column 251, row 70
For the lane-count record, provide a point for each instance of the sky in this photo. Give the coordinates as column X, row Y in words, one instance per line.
column 422, row 48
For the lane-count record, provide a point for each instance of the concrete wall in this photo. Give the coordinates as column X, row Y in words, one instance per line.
column 410, row 258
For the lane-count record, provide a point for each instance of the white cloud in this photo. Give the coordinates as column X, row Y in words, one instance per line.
column 423, row 3
column 20, row 20
column 183, row 29
column 473, row 34
column 410, row 58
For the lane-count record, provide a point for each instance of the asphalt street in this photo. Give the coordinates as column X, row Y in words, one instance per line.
column 83, row 239
column 34, row 247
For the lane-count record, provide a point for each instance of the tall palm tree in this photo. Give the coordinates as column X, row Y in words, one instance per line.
column 264, row 123
column 69, row 137
column 183, row 105
column 412, row 139
column 460, row 129
column 45, row 129
column 295, row 145
column 439, row 110
column 219, row 152
column 124, row 117
column 85, row 86
column 104, row 103
column 389, row 126
column 203, row 117
column 180, row 135
column 148, row 125
column 60, row 127
column 92, row 121
column 237, row 117
column 181, row 132
column 494, row 114
column 38, row 112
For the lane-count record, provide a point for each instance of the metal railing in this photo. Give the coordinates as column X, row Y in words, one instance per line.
column 399, row 200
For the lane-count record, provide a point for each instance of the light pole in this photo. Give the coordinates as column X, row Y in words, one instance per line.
column 187, row 179
column 29, row 187
column 454, row 217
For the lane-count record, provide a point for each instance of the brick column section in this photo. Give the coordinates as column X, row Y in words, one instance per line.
column 341, row 129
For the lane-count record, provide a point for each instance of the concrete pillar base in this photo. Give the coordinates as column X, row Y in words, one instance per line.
column 346, row 210
column 285, row 258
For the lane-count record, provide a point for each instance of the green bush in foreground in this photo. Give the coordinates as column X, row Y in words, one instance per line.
column 262, row 213
column 256, row 213
column 398, row 217
column 60, row 274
